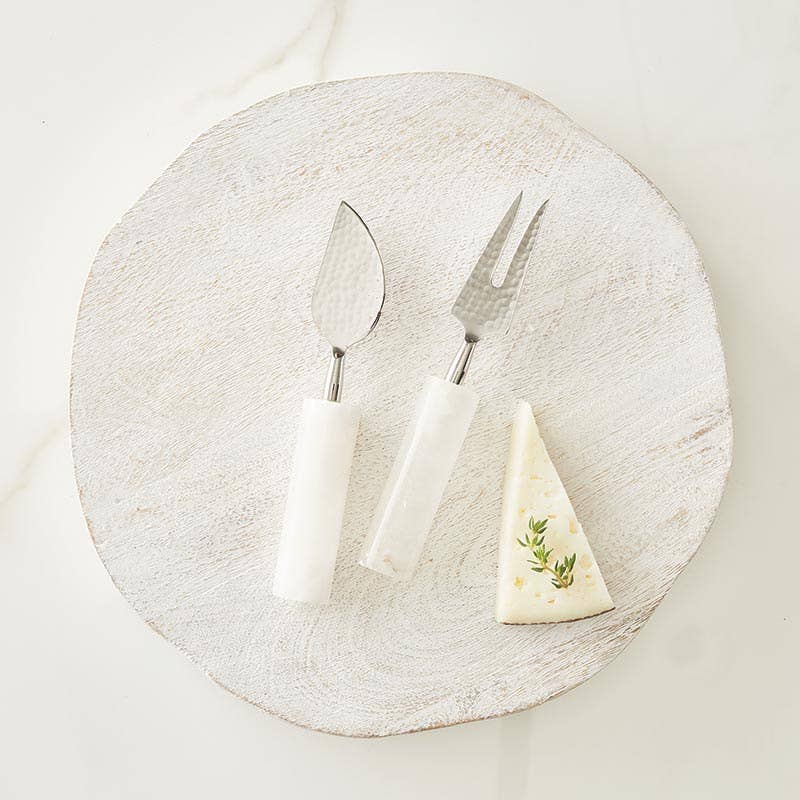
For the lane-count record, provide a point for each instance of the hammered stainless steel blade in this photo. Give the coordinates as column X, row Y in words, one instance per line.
column 482, row 307
column 349, row 292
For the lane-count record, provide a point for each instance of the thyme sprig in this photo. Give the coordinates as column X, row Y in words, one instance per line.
column 561, row 571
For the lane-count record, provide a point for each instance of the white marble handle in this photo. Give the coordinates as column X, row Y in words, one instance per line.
column 312, row 521
column 418, row 478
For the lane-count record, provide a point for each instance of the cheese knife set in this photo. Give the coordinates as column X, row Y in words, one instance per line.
column 220, row 472
column 547, row 572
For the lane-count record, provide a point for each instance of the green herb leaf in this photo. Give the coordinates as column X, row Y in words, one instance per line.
column 561, row 571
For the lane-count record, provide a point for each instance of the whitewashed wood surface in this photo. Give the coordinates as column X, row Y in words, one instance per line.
column 195, row 346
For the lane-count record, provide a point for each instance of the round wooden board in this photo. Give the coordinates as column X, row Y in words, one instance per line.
column 195, row 346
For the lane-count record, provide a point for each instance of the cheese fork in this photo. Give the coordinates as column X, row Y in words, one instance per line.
column 444, row 411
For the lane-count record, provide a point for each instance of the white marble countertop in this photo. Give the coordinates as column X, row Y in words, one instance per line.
column 99, row 99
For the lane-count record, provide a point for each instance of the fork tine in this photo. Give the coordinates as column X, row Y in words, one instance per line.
column 519, row 263
column 482, row 271
column 512, row 285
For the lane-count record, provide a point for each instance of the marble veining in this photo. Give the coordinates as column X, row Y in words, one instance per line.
column 326, row 17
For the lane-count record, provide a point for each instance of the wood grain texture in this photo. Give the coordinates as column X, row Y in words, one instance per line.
column 195, row 346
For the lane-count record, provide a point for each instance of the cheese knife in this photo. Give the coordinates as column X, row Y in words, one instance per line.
column 346, row 305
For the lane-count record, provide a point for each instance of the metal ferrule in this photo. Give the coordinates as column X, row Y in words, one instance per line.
column 335, row 377
column 460, row 364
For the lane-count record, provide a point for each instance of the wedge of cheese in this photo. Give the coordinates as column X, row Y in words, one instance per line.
column 533, row 490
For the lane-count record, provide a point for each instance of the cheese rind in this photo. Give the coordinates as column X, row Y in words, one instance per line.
column 533, row 489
